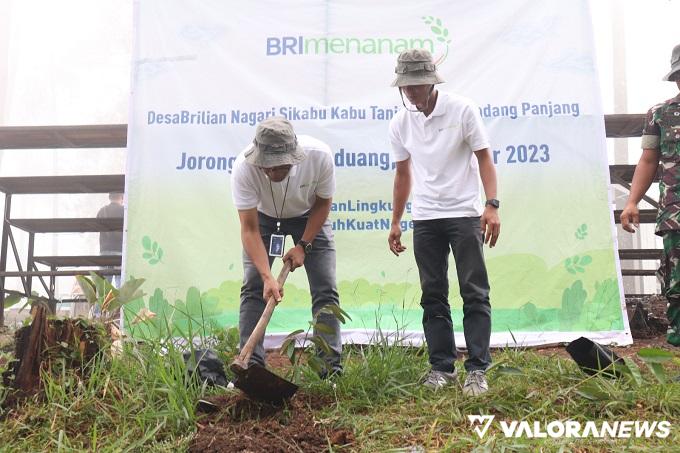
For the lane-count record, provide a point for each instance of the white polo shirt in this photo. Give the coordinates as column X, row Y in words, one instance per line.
column 314, row 176
column 445, row 170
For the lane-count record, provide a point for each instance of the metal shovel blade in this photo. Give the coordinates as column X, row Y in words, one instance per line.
column 261, row 384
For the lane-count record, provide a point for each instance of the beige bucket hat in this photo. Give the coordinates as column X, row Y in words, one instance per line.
column 675, row 65
column 275, row 144
column 415, row 67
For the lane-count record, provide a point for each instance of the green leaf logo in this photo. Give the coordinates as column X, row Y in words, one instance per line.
column 441, row 32
column 152, row 251
column 577, row 264
column 581, row 232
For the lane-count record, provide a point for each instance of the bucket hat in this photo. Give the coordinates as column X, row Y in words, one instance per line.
column 675, row 64
column 275, row 144
column 415, row 67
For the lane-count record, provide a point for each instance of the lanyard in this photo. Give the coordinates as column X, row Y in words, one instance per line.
column 283, row 203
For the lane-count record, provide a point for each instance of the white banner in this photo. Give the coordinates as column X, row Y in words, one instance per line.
column 206, row 72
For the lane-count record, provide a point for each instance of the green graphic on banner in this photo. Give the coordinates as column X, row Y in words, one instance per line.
column 585, row 303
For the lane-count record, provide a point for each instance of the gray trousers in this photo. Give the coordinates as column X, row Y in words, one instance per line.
column 432, row 240
column 320, row 267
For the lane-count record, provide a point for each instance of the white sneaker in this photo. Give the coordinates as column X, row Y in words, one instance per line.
column 475, row 383
column 438, row 379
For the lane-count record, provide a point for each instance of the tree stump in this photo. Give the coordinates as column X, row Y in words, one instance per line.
column 38, row 346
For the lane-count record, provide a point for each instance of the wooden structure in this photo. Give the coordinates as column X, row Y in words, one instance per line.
column 12, row 186
column 115, row 136
column 50, row 137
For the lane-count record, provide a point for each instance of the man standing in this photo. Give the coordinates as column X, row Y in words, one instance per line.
column 661, row 143
column 441, row 149
column 283, row 185
column 111, row 242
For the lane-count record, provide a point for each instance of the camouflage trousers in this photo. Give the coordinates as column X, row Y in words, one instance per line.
column 669, row 276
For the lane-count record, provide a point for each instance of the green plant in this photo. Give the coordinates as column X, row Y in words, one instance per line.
column 654, row 358
column 143, row 399
column 100, row 293
column 226, row 342
column 14, row 298
column 318, row 346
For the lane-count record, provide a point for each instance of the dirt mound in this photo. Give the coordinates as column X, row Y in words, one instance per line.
column 244, row 425
column 647, row 316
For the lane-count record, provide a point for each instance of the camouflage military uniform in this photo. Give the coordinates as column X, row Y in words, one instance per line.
column 662, row 132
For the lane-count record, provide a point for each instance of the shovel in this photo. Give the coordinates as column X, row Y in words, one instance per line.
column 256, row 381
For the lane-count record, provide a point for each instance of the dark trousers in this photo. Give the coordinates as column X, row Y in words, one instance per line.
column 669, row 276
column 432, row 240
column 320, row 268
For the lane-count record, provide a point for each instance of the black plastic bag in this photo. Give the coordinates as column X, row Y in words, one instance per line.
column 207, row 365
column 592, row 357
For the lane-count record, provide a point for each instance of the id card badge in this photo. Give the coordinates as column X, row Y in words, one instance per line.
column 276, row 244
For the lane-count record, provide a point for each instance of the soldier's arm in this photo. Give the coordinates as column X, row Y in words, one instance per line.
column 644, row 174
column 644, row 171
column 642, row 179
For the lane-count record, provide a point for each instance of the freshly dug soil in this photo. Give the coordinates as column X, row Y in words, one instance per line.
column 647, row 316
column 244, row 425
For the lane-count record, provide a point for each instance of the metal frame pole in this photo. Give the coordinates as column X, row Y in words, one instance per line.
column 3, row 255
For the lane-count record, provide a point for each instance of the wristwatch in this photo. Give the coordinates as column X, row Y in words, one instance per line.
column 306, row 246
column 493, row 202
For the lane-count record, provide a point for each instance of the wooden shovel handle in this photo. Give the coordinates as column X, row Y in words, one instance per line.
column 258, row 331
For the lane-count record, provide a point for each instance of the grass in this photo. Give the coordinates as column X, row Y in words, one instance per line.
column 144, row 400
column 378, row 396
